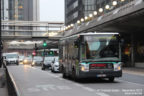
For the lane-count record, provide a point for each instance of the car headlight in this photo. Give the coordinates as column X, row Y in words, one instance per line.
column 118, row 66
column 84, row 67
column 25, row 61
column 33, row 63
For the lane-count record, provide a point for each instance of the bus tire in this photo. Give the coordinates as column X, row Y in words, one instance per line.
column 74, row 77
column 63, row 73
column 111, row 79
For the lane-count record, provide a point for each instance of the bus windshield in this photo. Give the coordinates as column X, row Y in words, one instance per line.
column 100, row 47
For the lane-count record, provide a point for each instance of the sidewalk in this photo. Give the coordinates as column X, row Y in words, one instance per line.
column 3, row 85
column 135, row 71
column 3, row 91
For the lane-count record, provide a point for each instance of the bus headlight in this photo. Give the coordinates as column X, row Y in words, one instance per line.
column 118, row 66
column 85, row 67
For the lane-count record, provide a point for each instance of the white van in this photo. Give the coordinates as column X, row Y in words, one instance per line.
column 12, row 58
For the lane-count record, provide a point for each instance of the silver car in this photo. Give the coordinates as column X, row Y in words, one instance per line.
column 47, row 62
column 37, row 60
column 55, row 65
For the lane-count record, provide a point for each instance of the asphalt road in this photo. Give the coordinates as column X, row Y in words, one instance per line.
column 32, row 81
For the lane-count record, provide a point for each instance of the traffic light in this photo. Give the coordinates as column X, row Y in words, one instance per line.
column 34, row 53
column 50, row 53
column 44, row 44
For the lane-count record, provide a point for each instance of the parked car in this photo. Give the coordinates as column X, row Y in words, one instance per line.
column 47, row 62
column 27, row 60
column 55, row 65
column 37, row 61
column 12, row 58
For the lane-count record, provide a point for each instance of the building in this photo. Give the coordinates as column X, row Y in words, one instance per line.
column 25, row 10
column 4, row 10
column 77, row 9
column 28, row 10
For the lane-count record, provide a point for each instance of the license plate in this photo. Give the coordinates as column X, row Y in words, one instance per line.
column 101, row 75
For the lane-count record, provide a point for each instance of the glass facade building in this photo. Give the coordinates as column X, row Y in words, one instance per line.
column 76, row 9
column 4, row 10
column 25, row 10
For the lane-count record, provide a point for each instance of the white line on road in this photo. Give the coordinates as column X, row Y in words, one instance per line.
column 88, row 89
column 102, row 94
column 130, row 82
column 79, row 85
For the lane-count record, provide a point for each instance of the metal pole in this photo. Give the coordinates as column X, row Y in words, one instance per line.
column 0, row 39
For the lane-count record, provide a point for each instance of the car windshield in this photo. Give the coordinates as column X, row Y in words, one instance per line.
column 100, row 47
column 21, row 57
column 49, row 58
column 28, row 58
column 38, row 58
column 12, row 56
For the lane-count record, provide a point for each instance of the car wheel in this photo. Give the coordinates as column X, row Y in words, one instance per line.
column 51, row 69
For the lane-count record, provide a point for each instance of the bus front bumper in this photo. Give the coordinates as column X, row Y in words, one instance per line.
column 100, row 74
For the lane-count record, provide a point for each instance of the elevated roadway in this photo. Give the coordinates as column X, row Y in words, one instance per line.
column 127, row 18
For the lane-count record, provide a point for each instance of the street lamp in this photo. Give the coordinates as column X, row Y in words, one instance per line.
column 114, row 3
column 100, row 10
column 78, row 22
column 107, row 7
column 82, row 20
column 72, row 25
column 90, row 15
column 86, row 18
column 95, row 13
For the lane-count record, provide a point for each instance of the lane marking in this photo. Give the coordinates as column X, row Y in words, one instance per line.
column 130, row 82
column 88, row 89
column 79, row 85
column 102, row 94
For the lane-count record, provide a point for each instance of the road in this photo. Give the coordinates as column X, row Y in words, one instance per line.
column 32, row 81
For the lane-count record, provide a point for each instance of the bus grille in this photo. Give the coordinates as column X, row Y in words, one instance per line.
column 101, row 66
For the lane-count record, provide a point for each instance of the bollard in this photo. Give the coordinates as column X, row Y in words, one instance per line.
column 2, row 77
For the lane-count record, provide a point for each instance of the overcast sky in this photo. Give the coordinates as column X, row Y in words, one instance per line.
column 51, row 10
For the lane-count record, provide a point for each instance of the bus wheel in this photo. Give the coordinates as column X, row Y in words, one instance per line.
column 74, row 77
column 63, row 73
column 111, row 79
